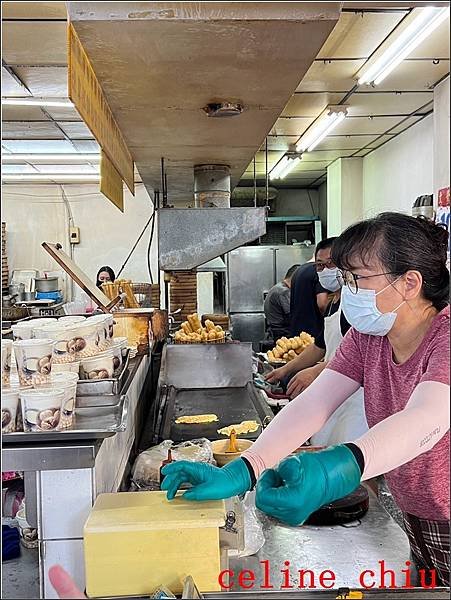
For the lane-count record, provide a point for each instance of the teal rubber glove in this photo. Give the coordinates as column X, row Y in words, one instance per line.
column 209, row 483
column 301, row 484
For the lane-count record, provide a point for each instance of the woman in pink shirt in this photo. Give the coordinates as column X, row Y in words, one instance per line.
column 395, row 296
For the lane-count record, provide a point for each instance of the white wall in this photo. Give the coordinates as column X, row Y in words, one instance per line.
column 34, row 214
column 441, row 136
column 344, row 194
column 400, row 171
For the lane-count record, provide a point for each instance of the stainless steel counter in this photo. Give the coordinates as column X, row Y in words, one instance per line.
column 346, row 550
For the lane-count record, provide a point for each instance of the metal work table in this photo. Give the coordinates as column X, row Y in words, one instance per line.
column 346, row 550
column 62, row 481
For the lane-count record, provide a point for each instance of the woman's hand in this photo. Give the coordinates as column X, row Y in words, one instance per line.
column 209, row 483
column 277, row 375
column 299, row 382
column 63, row 584
column 301, row 484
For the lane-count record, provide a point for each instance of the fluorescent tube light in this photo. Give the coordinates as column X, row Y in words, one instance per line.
column 56, row 158
column 36, row 102
column 420, row 28
column 279, row 167
column 292, row 163
column 285, row 166
column 321, row 128
column 58, row 177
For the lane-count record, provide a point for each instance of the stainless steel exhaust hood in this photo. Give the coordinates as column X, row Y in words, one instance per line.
column 189, row 237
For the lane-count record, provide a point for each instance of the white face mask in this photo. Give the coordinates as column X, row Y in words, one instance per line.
column 328, row 279
column 361, row 311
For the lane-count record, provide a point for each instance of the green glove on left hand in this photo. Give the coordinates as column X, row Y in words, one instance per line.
column 301, row 484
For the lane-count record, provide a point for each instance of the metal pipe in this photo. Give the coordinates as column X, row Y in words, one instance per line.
column 266, row 171
column 255, row 185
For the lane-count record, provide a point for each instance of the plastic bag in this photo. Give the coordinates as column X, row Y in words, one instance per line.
column 146, row 470
column 254, row 538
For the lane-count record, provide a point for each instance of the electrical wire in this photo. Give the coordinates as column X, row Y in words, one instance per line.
column 136, row 243
column 149, row 266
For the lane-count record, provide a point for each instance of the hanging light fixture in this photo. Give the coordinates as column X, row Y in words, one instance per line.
column 285, row 165
column 423, row 21
column 321, row 127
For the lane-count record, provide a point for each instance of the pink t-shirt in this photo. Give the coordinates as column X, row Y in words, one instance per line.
column 421, row 486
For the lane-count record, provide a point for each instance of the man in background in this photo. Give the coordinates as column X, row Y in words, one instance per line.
column 308, row 298
column 277, row 307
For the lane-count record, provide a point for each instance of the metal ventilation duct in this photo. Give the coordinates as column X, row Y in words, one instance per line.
column 212, row 186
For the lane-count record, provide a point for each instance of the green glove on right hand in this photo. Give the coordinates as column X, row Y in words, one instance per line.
column 301, row 484
column 209, row 483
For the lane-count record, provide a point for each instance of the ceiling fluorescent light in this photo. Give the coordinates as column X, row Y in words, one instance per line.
column 279, row 167
column 325, row 123
column 37, row 102
column 292, row 163
column 51, row 178
column 420, row 28
column 285, row 165
column 55, row 158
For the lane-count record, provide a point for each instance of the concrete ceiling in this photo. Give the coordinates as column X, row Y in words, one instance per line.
column 159, row 64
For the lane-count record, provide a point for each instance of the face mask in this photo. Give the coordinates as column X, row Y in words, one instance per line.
column 361, row 311
column 328, row 279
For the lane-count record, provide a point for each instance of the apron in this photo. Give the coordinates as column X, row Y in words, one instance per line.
column 348, row 422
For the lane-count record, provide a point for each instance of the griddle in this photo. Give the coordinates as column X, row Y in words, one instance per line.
column 231, row 405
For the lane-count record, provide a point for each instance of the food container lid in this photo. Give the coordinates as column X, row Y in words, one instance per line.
column 152, row 511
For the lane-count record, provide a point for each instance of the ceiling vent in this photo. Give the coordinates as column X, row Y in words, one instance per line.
column 223, row 109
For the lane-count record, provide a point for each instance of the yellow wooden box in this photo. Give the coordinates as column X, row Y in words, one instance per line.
column 135, row 542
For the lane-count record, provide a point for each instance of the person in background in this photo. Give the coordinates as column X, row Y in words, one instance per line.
column 105, row 275
column 309, row 299
column 277, row 307
column 348, row 421
column 395, row 296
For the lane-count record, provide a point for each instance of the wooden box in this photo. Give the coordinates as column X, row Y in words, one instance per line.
column 135, row 542
column 140, row 326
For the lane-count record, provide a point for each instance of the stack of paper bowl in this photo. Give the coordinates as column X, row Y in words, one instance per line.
column 71, row 319
column 10, row 402
column 68, row 383
column 34, row 361
column 6, row 362
column 42, row 408
column 84, row 341
column 104, row 324
column 98, row 367
column 22, row 330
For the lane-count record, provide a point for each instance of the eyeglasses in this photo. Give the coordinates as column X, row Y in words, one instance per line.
column 329, row 264
column 350, row 279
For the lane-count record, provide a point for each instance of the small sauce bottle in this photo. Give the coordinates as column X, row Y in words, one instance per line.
column 167, row 461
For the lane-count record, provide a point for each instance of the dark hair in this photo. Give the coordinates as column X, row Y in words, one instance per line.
column 324, row 244
column 290, row 272
column 400, row 243
column 110, row 272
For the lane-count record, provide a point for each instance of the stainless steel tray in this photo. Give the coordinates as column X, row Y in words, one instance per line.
column 113, row 386
column 91, row 421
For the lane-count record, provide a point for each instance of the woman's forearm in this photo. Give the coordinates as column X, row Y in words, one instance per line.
column 408, row 433
column 300, row 419
column 309, row 357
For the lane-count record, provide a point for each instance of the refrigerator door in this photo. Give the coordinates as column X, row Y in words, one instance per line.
column 287, row 256
column 250, row 276
column 248, row 327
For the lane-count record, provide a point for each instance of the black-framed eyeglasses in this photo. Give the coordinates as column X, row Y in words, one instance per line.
column 350, row 279
column 329, row 264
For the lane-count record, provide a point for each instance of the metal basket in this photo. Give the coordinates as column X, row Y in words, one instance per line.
column 147, row 294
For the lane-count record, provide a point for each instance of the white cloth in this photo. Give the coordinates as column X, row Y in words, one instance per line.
column 348, row 422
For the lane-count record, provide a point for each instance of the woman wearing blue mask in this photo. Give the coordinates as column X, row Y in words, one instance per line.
column 396, row 298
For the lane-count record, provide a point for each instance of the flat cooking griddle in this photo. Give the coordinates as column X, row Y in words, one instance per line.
column 231, row 405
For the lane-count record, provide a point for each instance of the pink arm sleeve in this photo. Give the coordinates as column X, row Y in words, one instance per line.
column 416, row 429
column 300, row 419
